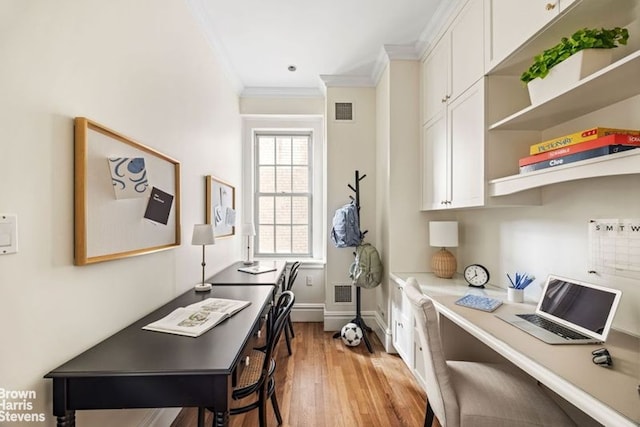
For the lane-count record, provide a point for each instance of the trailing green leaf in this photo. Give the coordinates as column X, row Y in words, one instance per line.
column 582, row 39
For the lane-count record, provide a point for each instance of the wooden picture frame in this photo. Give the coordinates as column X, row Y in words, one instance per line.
column 221, row 206
column 110, row 225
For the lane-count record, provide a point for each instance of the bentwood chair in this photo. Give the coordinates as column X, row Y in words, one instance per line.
column 288, row 331
column 258, row 377
column 472, row 394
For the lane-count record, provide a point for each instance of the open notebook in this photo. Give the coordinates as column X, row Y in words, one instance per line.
column 569, row 312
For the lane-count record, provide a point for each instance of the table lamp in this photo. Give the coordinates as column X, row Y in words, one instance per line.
column 443, row 234
column 203, row 235
column 248, row 230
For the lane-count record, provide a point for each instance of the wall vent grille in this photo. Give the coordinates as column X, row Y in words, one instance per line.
column 343, row 294
column 344, row 111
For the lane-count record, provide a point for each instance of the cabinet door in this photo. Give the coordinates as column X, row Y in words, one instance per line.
column 466, row 127
column 402, row 321
column 435, row 80
column 435, row 164
column 511, row 22
column 418, row 360
column 467, row 53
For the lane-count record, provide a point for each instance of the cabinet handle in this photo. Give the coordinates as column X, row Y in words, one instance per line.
column 550, row 6
column 446, row 98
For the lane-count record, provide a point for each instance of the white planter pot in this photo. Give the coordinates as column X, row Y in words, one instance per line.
column 570, row 71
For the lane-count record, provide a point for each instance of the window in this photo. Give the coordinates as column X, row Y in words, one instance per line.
column 283, row 195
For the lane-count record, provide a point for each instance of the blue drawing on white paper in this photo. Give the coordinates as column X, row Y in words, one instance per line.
column 129, row 177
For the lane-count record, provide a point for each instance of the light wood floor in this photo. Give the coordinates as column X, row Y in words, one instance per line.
column 325, row 383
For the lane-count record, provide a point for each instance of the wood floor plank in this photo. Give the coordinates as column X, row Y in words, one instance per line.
column 327, row 384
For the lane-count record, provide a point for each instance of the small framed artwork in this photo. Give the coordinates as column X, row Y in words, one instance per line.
column 221, row 206
column 127, row 196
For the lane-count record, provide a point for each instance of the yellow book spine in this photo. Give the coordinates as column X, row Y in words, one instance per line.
column 577, row 138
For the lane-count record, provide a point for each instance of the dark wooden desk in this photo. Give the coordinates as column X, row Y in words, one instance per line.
column 231, row 275
column 135, row 368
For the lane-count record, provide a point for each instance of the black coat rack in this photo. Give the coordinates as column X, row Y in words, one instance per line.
column 358, row 320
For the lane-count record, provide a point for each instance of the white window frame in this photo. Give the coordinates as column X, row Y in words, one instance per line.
column 288, row 124
column 308, row 195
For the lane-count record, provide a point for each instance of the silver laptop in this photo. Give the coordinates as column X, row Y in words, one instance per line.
column 570, row 312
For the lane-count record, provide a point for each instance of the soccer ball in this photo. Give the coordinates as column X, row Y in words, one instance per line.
column 351, row 334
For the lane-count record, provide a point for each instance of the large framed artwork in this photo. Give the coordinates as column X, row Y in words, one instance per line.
column 221, row 206
column 127, row 196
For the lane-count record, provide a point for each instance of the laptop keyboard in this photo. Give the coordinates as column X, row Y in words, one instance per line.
column 552, row 327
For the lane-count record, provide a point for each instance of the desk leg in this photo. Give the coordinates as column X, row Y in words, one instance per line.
column 67, row 420
column 221, row 419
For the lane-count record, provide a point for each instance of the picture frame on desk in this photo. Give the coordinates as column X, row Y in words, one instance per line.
column 221, row 206
column 126, row 196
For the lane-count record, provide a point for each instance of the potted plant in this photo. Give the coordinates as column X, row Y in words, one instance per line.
column 585, row 52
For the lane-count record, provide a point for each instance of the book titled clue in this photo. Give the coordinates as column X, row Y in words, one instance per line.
column 577, row 138
column 615, row 139
column 571, row 158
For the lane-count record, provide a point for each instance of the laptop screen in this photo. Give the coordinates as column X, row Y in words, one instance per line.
column 583, row 306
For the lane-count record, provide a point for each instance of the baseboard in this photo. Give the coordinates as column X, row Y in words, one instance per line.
column 335, row 320
column 304, row 312
column 161, row 417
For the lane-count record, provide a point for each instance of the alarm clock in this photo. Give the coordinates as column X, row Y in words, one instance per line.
column 476, row 275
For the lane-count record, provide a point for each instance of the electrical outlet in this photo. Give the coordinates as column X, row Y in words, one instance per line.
column 309, row 281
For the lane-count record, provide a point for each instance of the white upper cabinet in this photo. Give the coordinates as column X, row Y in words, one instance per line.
column 510, row 23
column 435, row 80
column 453, row 154
column 467, row 48
column 455, row 62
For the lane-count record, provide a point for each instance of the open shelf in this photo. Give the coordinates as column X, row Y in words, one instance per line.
column 627, row 162
column 595, row 91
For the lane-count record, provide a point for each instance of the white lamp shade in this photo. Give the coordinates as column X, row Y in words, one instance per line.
column 203, row 235
column 248, row 229
column 443, row 234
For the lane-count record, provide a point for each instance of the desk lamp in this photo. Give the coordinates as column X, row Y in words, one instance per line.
column 443, row 234
column 203, row 235
column 248, row 230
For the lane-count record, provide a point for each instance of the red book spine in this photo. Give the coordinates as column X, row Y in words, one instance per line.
column 616, row 139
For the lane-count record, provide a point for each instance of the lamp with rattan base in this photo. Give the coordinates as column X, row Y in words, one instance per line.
column 443, row 264
column 443, row 234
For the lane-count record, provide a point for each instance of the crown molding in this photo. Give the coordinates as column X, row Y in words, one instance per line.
column 334, row 80
column 439, row 22
column 199, row 12
column 281, row 92
column 393, row 52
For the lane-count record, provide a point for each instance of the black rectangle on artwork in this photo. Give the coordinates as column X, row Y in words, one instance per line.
column 159, row 206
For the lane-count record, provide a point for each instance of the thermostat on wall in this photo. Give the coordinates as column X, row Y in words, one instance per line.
column 8, row 234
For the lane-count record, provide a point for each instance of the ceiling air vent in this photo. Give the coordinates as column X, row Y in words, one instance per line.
column 342, row 293
column 344, row 111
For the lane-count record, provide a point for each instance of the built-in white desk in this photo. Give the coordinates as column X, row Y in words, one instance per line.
column 611, row 396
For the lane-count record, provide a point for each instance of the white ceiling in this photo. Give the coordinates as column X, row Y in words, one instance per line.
column 258, row 39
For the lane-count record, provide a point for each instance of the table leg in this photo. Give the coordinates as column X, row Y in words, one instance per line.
column 67, row 420
column 221, row 419
column 201, row 417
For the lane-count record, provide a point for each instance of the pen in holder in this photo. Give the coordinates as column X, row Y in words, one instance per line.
column 515, row 291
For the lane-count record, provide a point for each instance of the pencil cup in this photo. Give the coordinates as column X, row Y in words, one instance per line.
column 515, row 295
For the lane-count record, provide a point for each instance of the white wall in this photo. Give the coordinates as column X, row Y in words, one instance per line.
column 401, row 225
column 143, row 69
column 350, row 146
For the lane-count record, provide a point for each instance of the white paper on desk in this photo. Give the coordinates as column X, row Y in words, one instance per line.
column 188, row 322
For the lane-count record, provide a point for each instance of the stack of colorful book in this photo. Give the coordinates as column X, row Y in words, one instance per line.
column 578, row 146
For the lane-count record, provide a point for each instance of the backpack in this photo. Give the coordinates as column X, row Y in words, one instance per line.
column 346, row 227
column 366, row 270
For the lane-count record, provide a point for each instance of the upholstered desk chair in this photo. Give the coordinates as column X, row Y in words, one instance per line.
column 465, row 394
column 288, row 329
column 257, row 378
